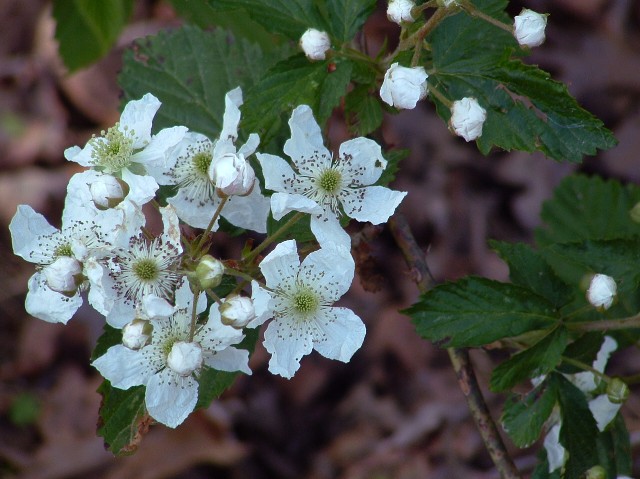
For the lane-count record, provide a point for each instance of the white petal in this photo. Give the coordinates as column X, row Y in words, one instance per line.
column 171, row 398
column 283, row 203
column 184, row 298
column 280, row 267
column 157, row 155
column 171, row 224
column 276, row 172
column 141, row 188
column 371, row 203
column 329, row 271
column 262, row 303
column 327, row 229
column 82, row 156
column 27, row 227
column 363, row 161
column 194, row 213
column 123, row 367
column 156, row 307
column 339, row 333
column 603, row 410
column 287, row 340
column 248, row 212
column 216, row 336
column 231, row 117
column 556, row 454
column 48, row 305
column 229, row 359
column 98, row 297
column 138, row 116
column 250, row 146
column 306, row 138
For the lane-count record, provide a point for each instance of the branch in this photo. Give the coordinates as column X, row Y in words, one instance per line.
column 415, row 258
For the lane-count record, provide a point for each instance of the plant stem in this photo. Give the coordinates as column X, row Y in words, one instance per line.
column 415, row 258
column 270, row 239
column 605, row 325
column 439, row 96
column 586, row 367
column 474, row 12
column 194, row 316
column 439, row 15
column 240, row 274
column 206, row 232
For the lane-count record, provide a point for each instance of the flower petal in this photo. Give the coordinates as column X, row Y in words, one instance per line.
column 157, row 155
column 329, row 271
column 280, row 267
column 283, row 203
column 306, row 141
column 50, row 306
column 124, row 367
column 362, row 161
column 229, row 359
column 371, row 203
column 194, row 213
column 27, row 227
column 262, row 303
column 141, row 188
column 248, row 212
column 327, row 229
column 171, row 398
column 603, row 410
column 278, row 174
column 287, row 340
column 339, row 333
column 137, row 116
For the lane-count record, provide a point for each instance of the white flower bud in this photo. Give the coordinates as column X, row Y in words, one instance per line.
column 602, row 291
column 467, row 118
column 403, row 87
column 209, row 272
column 315, row 44
column 399, row 11
column 106, row 192
column 185, row 358
column 237, row 311
column 64, row 275
column 137, row 334
column 232, row 175
column 528, row 28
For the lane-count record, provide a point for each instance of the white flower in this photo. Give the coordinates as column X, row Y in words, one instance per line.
column 127, row 149
column 237, row 311
column 189, row 167
column 528, row 28
column 170, row 364
column 145, row 267
column 64, row 275
column 602, row 291
column 315, row 44
column 467, row 118
column 403, row 87
column 300, row 302
column 325, row 186
column 399, row 11
column 233, row 175
column 106, row 192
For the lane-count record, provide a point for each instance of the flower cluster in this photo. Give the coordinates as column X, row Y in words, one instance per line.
column 165, row 292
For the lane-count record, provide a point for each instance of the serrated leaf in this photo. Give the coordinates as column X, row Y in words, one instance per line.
column 363, row 111
column 86, row 30
column 529, row 269
column 477, row 311
column 584, row 208
column 578, row 431
column 526, row 109
column 122, row 418
column 190, row 71
column 523, row 417
column 287, row 17
column 292, row 82
column 345, row 17
column 614, row 449
column 584, row 349
column 539, row 359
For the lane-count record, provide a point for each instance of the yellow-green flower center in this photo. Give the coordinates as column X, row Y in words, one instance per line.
column 330, row 181
column 305, row 302
column 113, row 150
column 146, row 269
column 201, row 162
column 62, row 250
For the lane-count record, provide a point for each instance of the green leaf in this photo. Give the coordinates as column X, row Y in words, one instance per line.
column 614, row 449
column 190, row 71
column 578, row 431
column 86, row 30
column 477, row 311
column 345, row 17
column 363, row 111
column 585, row 208
column 287, row 17
column 122, row 418
column 300, row 231
column 526, row 109
column 529, row 269
column 539, row 359
column 523, row 417
column 393, row 157
column 292, row 82
column 584, row 349
column 110, row 337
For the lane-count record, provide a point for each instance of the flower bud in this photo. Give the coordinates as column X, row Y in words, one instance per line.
column 232, row 175
column 137, row 334
column 106, row 192
column 617, row 391
column 209, row 272
column 467, row 118
column 185, row 358
column 602, row 291
column 64, row 275
column 635, row 213
column 315, row 44
column 237, row 311
column 403, row 87
column 596, row 472
column 399, row 11
column 528, row 28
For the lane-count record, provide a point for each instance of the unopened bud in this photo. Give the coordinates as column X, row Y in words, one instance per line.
column 237, row 311
column 403, row 87
column 106, row 192
column 232, row 174
column 617, row 391
column 467, row 118
column 64, row 275
column 315, row 44
column 209, row 272
column 399, row 11
column 635, row 213
column 185, row 358
column 529, row 27
column 137, row 334
column 602, row 291
column 596, row 472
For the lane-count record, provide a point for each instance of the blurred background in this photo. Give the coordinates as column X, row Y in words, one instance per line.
column 395, row 411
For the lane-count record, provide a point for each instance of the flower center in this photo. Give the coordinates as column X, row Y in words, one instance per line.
column 112, row 151
column 305, row 302
column 62, row 250
column 201, row 162
column 330, row 181
column 146, row 269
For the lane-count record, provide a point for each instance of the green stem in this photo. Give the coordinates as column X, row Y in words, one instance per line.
column 194, row 316
column 605, row 325
column 586, row 367
column 205, row 233
column 440, row 97
column 271, row 238
column 634, row 379
column 439, row 15
column 474, row 12
column 213, row 295
column 240, row 274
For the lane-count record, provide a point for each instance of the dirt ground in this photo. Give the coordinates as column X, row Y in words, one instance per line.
column 395, row 411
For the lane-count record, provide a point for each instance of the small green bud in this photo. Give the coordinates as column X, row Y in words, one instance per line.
column 617, row 391
column 209, row 272
column 596, row 472
column 635, row 213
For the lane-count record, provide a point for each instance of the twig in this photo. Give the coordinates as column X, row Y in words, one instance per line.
column 460, row 360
